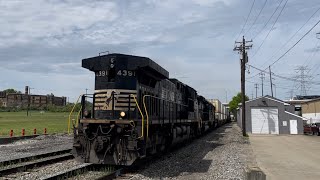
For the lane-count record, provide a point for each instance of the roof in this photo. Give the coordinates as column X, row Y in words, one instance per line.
column 132, row 63
column 307, row 97
column 270, row 98
column 312, row 100
column 297, row 101
column 295, row 115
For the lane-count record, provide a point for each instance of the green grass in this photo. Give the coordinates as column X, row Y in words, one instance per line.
column 55, row 122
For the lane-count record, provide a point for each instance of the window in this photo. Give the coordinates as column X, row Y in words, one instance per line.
column 284, row 123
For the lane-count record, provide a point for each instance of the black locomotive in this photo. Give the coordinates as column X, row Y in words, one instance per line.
column 137, row 111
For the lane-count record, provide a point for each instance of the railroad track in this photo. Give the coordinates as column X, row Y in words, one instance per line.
column 105, row 172
column 22, row 164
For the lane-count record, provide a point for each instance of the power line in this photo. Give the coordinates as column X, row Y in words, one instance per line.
column 268, row 20
column 283, row 77
column 255, row 20
column 246, row 19
column 295, row 43
column 291, row 46
column 279, row 87
column 292, row 36
column 270, row 28
column 316, row 68
column 311, row 54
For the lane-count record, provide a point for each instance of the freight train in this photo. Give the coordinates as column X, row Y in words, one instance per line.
column 137, row 111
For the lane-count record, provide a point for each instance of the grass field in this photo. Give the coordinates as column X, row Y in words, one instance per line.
column 55, row 122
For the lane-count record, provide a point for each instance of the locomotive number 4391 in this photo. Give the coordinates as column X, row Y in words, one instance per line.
column 119, row 73
column 126, row 73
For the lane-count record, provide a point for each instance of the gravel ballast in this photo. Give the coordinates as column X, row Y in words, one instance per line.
column 221, row 154
column 45, row 171
column 34, row 146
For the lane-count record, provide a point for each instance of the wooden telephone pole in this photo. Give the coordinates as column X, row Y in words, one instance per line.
column 271, row 81
column 241, row 47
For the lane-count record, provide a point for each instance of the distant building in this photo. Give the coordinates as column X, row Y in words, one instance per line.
column 221, row 109
column 3, row 98
column 311, row 110
column 33, row 100
column 298, row 102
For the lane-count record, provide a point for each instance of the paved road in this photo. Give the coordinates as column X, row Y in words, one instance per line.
column 292, row 157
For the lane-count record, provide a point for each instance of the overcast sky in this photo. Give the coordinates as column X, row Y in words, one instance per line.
column 43, row 42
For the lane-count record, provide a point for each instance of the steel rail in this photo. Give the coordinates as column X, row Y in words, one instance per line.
column 36, row 163
column 29, row 158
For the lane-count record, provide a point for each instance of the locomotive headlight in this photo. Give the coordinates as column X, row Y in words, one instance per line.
column 122, row 114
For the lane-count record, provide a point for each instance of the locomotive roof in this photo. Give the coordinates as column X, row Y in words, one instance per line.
column 174, row 80
column 134, row 62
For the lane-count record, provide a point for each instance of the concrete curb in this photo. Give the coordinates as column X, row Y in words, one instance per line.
column 8, row 140
column 254, row 173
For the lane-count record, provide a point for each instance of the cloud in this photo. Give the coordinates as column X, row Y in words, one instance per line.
column 43, row 41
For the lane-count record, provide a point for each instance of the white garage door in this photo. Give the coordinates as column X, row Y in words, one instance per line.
column 264, row 120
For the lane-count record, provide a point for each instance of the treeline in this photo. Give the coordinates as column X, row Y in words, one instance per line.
column 50, row 108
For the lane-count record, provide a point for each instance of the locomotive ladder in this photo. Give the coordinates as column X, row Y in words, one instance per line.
column 142, row 116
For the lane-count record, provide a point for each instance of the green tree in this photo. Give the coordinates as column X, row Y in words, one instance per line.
column 233, row 104
column 10, row 90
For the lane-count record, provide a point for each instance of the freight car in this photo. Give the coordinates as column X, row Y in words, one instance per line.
column 137, row 111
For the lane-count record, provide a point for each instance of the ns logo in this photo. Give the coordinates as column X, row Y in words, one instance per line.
column 109, row 97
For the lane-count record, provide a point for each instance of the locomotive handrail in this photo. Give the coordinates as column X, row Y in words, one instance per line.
column 69, row 120
column 142, row 117
column 145, row 108
column 77, row 122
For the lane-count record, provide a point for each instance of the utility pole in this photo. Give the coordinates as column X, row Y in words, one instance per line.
column 275, row 90
column 28, row 88
column 290, row 94
column 256, row 86
column 271, row 81
column 226, row 96
column 241, row 48
column 262, row 78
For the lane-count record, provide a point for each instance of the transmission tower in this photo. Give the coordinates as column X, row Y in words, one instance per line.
column 303, row 77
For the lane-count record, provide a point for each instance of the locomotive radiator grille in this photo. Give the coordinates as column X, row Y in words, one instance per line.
column 115, row 99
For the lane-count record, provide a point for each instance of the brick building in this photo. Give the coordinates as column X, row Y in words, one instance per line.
column 22, row 100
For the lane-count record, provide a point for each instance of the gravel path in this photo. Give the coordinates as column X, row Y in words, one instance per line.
column 38, row 145
column 221, row 154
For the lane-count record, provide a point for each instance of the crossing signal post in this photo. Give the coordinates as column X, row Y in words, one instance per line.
column 241, row 47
